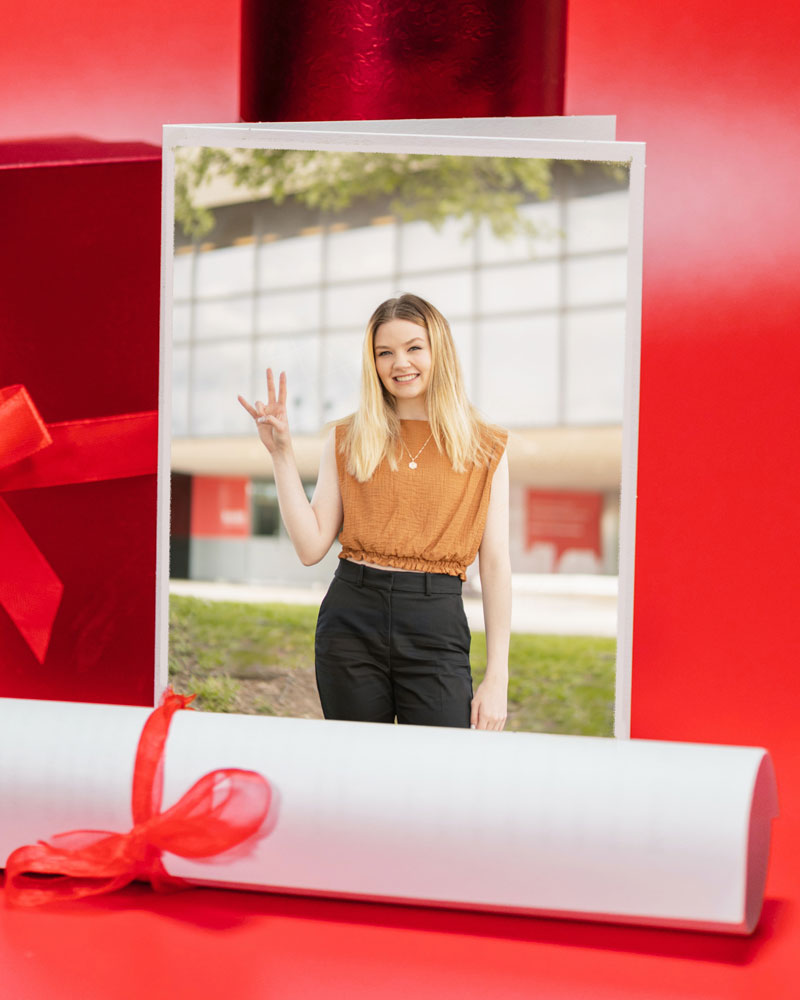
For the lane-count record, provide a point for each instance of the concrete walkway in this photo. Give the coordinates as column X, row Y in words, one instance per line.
column 543, row 604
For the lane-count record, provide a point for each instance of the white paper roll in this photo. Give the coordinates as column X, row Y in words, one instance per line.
column 636, row 831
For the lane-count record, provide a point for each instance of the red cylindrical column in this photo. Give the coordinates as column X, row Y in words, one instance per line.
column 316, row 60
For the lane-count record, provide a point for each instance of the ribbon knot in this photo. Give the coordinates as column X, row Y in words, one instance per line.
column 220, row 811
column 34, row 454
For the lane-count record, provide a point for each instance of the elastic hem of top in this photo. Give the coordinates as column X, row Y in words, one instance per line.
column 397, row 580
column 407, row 562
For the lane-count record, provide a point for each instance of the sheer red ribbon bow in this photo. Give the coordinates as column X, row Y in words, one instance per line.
column 35, row 454
column 220, row 811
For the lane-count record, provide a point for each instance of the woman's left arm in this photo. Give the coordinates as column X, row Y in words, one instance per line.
column 490, row 704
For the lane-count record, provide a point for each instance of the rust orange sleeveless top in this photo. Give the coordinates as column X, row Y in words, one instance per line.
column 429, row 519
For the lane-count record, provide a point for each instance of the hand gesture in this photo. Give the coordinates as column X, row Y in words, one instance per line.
column 271, row 420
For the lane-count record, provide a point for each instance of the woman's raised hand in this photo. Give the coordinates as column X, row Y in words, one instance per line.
column 271, row 420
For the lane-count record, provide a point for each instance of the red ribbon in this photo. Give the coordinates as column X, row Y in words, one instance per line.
column 35, row 454
column 220, row 811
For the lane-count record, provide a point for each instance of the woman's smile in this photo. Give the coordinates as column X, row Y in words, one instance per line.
column 403, row 363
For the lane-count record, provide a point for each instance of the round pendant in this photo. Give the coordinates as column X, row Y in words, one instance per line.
column 412, row 465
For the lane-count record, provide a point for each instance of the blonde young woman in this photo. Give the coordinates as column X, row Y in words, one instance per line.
column 415, row 484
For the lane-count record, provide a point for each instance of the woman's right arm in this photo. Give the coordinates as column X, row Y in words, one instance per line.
column 312, row 526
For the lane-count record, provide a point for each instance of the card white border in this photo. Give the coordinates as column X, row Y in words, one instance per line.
column 362, row 137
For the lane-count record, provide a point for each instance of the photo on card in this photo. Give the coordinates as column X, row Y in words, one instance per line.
column 279, row 243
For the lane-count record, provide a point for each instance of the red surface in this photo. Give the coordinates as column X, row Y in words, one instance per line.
column 116, row 70
column 312, row 60
column 220, row 507
column 69, row 149
column 712, row 88
column 80, row 265
column 215, row 943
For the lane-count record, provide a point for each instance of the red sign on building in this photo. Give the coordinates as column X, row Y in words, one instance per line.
column 220, row 507
column 564, row 520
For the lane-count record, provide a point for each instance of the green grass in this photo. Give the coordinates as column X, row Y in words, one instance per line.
column 209, row 636
column 217, row 694
column 558, row 684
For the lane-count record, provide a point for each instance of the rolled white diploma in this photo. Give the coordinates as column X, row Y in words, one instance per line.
column 634, row 831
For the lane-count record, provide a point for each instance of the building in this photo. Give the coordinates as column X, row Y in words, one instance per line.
column 539, row 323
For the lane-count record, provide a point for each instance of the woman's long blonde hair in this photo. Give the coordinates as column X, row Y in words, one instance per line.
column 373, row 431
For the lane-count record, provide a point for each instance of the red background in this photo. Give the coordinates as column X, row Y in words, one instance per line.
column 116, row 70
column 79, row 268
column 712, row 88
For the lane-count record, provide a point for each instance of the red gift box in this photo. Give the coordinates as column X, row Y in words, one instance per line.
column 79, row 330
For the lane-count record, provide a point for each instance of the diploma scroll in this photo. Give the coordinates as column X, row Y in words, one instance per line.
column 635, row 831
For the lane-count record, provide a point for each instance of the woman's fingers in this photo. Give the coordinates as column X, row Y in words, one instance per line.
column 492, row 724
column 486, row 712
column 280, row 399
column 271, row 414
column 247, row 406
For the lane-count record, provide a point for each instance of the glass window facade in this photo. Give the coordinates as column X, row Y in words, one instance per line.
column 525, row 349
column 292, row 261
column 538, row 319
column 594, row 363
column 341, row 373
column 265, row 511
column 289, row 311
column 544, row 217
column 266, row 515
column 217, row 372
column 423, row 247
column 350, row 305
column 225, row 271
column 298, row 356
column 366, row 252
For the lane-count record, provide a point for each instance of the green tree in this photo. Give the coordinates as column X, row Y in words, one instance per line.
column 419, row 186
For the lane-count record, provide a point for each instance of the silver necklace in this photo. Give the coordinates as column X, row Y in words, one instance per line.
column 413, row 463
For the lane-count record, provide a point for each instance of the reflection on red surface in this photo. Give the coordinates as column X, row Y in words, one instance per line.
column 338, row 59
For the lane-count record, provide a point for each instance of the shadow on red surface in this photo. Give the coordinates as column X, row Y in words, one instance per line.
column 225, row 909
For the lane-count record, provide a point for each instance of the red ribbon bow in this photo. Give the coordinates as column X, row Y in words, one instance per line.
column 35, row 454
column 220, row 811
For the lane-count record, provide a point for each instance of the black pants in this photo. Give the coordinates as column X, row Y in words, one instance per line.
column 392, row 644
